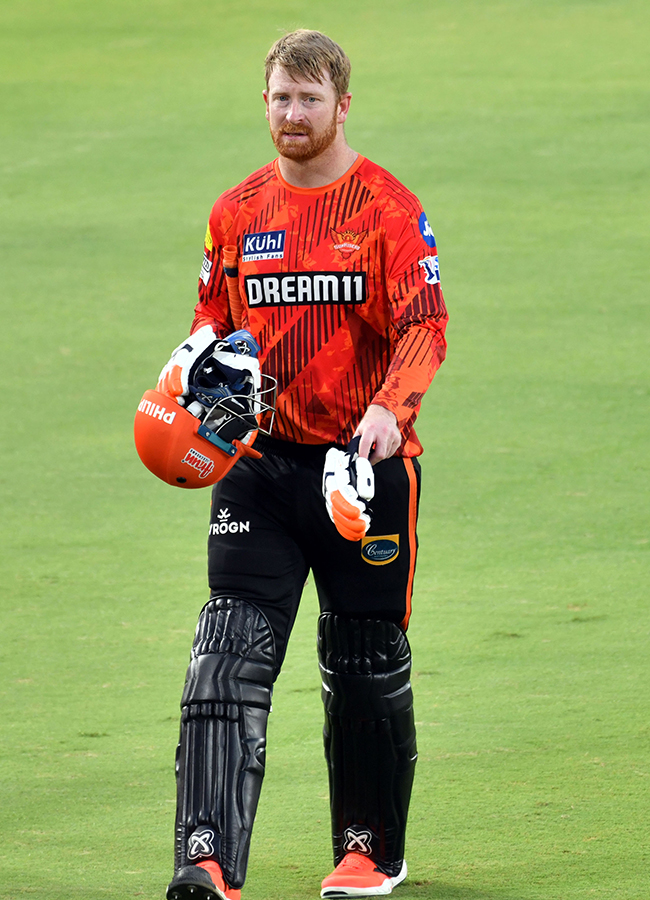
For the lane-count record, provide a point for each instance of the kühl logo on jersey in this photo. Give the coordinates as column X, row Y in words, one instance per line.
column 265, row 245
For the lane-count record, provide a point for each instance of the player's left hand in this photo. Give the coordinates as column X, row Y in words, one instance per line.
column 378, row 429
column 348, row 485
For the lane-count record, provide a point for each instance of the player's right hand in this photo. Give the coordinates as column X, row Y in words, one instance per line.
column 348, row 485
column 175, row 376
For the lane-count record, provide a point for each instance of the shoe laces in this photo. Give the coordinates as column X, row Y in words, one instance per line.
column 355, row 862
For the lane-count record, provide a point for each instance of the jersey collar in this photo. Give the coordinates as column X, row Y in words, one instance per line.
column 318, row 190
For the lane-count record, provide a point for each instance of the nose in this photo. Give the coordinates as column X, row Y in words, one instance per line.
column 295, row 113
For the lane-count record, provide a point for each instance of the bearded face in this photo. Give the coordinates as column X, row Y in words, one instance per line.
column 304, row 141
column 305, row 117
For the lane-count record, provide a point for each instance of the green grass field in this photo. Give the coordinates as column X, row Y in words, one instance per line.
column 523, row 128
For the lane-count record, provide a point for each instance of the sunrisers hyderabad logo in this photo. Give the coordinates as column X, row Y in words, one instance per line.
column 203, row 464
column 347, row 242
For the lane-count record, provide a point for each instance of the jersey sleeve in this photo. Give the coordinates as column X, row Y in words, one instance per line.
column 213, row 307
column 418, row 314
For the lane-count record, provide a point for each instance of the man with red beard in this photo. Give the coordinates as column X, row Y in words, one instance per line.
column 330, row 264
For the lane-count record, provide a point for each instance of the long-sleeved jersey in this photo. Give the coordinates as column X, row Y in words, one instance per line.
column 340, row 287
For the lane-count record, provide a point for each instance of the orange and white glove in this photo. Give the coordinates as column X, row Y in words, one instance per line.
column 175, row 376
column 348, row 485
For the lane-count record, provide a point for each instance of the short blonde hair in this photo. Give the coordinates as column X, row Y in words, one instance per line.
column 305, row 54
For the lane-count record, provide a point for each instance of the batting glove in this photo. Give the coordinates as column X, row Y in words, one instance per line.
column 348, row 485
column 175, row 376
column 204, row 369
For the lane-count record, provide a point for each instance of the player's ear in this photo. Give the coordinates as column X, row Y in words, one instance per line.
column 265, row 94
column 344, row 108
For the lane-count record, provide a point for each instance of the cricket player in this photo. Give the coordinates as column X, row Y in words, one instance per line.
column 329, row 266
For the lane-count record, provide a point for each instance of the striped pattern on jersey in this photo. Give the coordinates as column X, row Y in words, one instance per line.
column 339, row 287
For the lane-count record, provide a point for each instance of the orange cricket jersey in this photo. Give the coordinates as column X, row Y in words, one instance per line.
column 340, row 287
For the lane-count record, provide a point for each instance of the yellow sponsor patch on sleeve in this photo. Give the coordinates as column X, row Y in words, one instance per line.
column 209, row 246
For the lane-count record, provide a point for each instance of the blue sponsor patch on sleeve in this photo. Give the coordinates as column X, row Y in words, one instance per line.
column 426, row 231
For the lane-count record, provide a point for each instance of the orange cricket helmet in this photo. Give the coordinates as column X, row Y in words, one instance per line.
column 178, row 448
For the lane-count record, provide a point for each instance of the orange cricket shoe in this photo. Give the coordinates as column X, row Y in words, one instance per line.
column 201, row 882
column 357, row 876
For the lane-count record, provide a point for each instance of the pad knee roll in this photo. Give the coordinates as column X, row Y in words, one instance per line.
column 369, row 736
column 222, row 747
